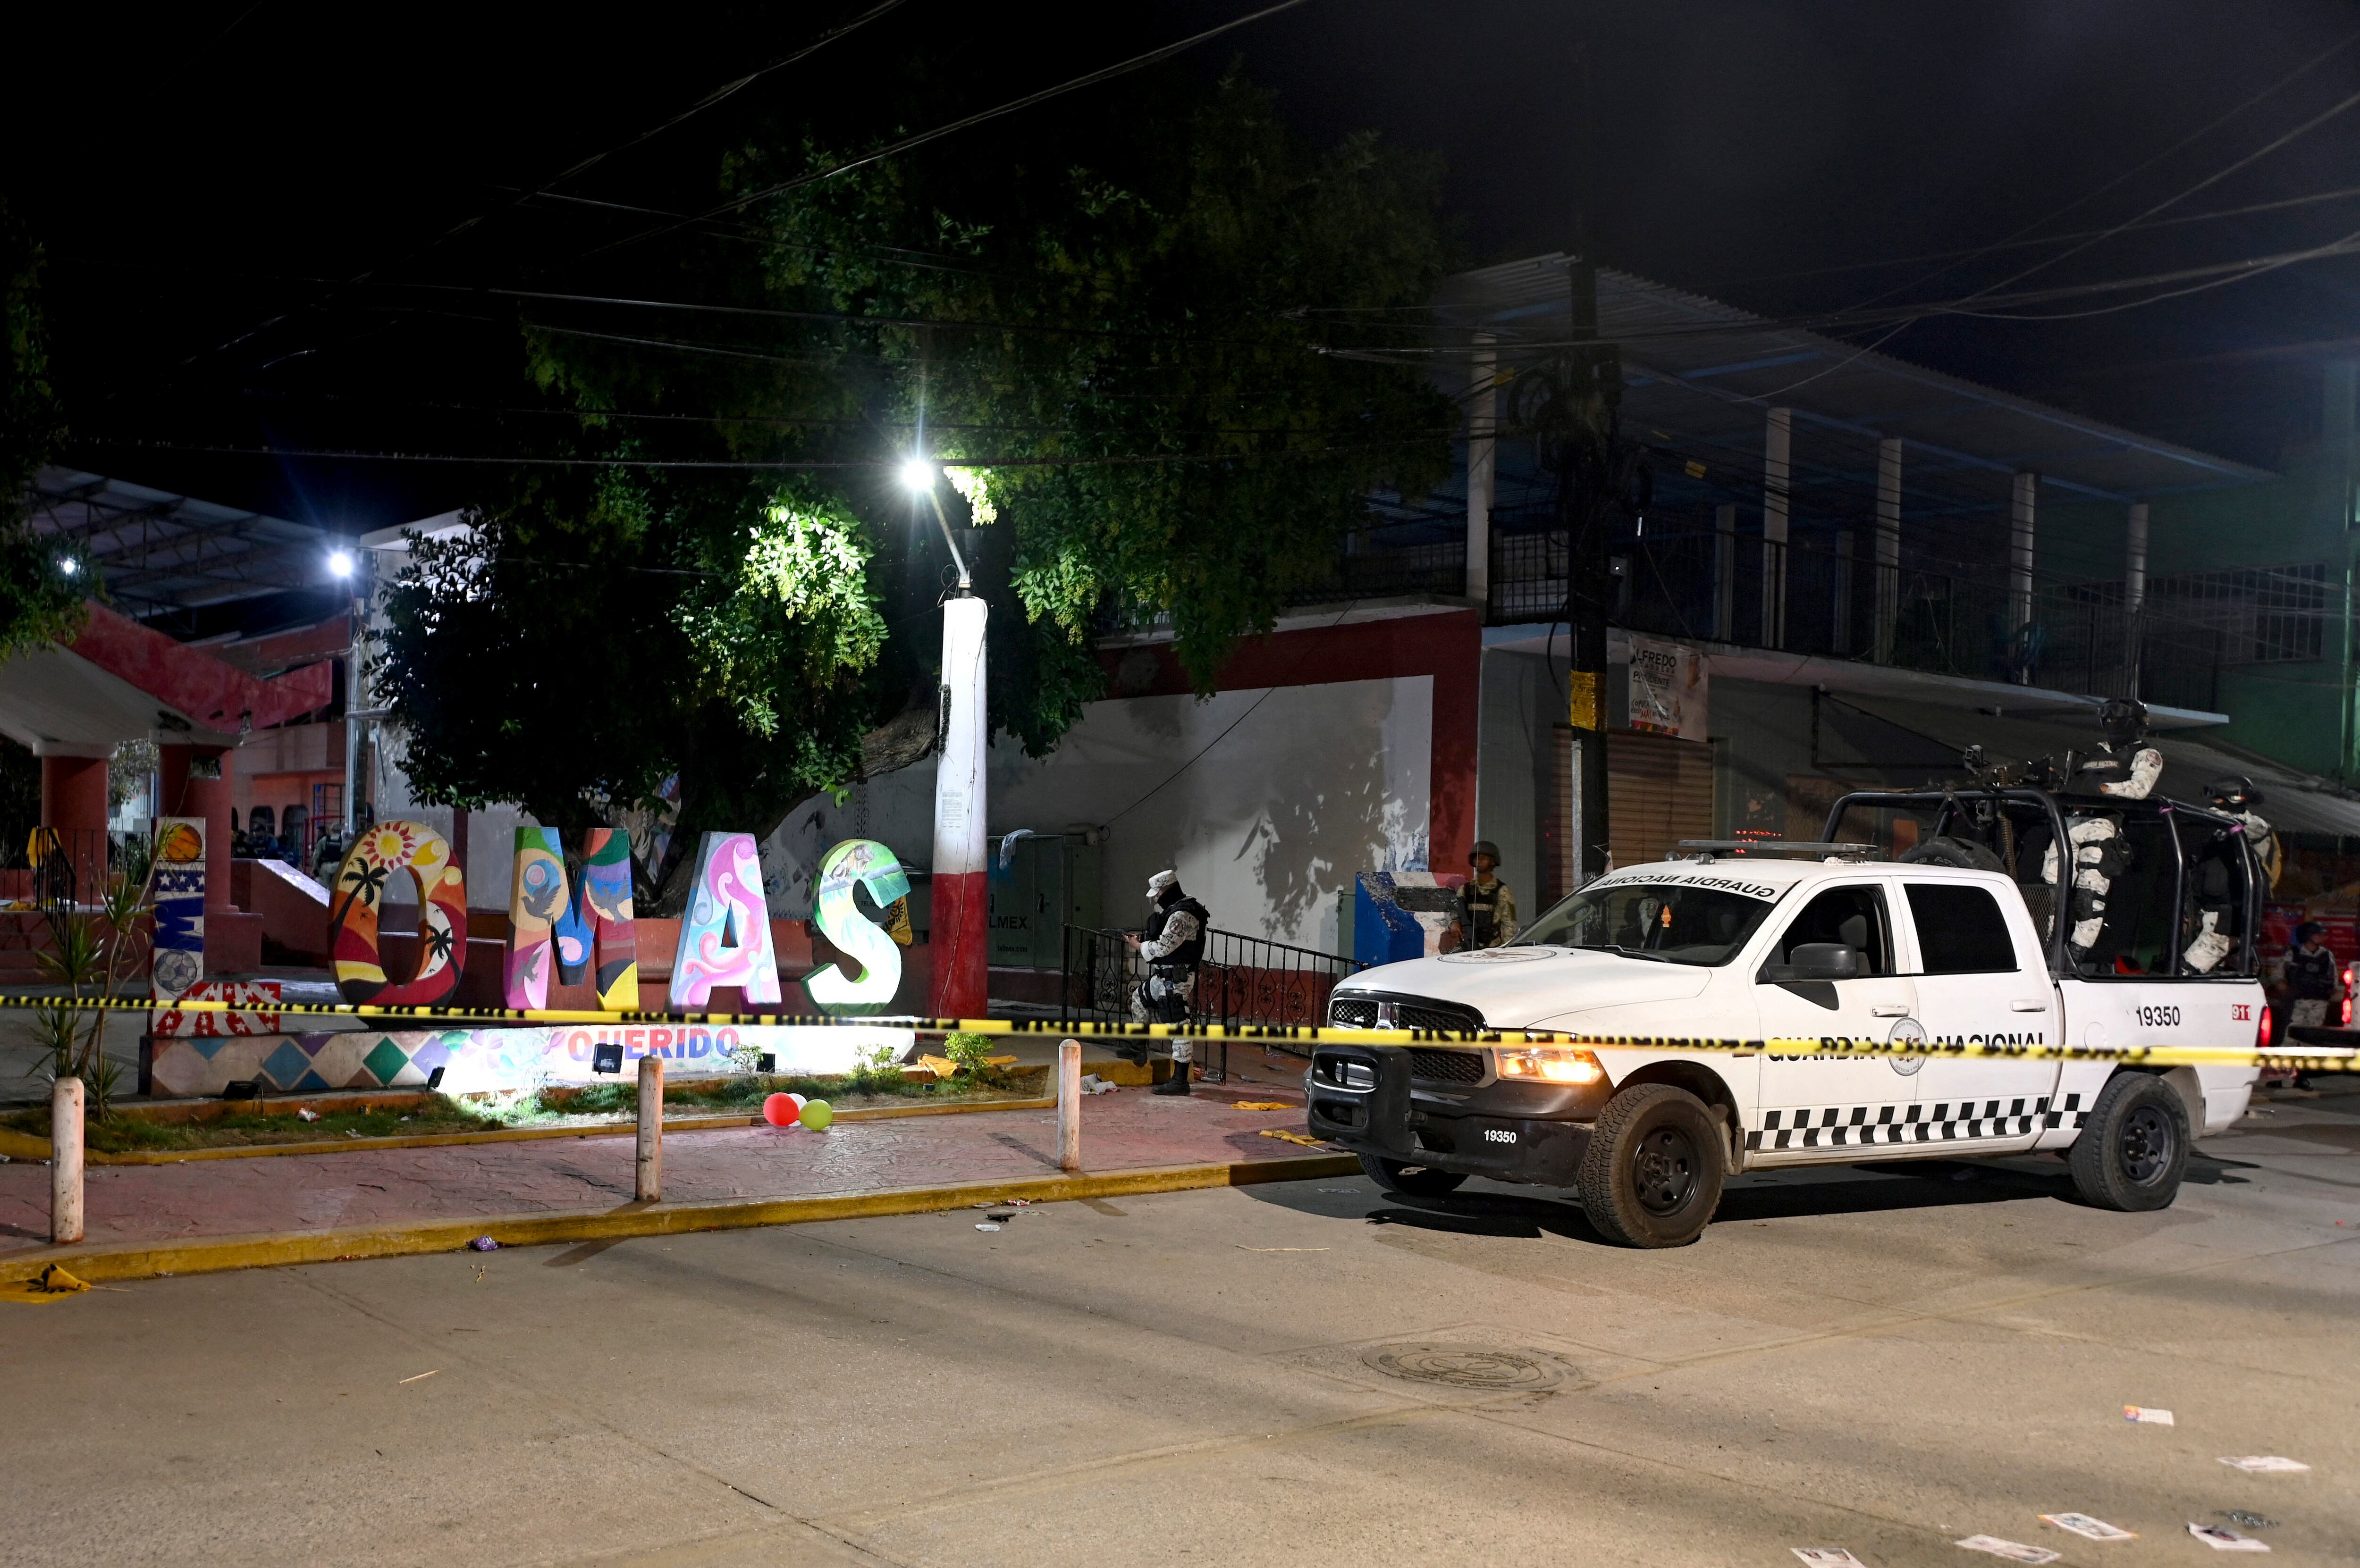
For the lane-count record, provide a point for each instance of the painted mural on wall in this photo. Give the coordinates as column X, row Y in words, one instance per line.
column 486, row 1060
column 178, row 960
column 388, row 850
column 725, row 936
column 865, row 863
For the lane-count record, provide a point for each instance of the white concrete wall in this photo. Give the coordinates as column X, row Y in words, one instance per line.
column 1269, row 801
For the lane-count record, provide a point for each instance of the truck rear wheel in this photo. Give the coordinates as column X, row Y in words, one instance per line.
column 1414, row 1181
column 1651, row 1174
column 2133, row 1148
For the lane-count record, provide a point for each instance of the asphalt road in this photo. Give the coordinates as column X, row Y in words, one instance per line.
column 1885, row 1359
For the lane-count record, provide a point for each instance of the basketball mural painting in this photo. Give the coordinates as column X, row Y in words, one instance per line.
column 179, row 893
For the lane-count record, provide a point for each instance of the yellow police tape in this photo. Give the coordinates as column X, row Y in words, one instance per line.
column 2333, row 1061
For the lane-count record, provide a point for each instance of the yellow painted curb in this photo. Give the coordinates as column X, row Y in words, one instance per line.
column 25, row 1146
column 219, row 1254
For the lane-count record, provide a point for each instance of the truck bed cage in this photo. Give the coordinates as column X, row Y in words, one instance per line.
column 1706, row 848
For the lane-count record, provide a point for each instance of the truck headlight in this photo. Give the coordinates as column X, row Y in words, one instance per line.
column 1553, row 1064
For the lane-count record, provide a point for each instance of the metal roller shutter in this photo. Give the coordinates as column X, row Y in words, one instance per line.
column 1658, row 791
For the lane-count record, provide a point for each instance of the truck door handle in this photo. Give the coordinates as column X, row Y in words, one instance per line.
column 1889, row 1010
column 2028, row 1004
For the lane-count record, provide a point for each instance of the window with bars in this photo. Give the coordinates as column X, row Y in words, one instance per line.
column 2263, row 615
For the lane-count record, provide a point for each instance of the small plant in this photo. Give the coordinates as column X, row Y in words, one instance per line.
column 92, row 955
column 967, row 1052
column 877, row 1071
column 746, row 1058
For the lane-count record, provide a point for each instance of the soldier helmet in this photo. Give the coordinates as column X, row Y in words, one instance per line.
column 2124, row 720
column 1160, row 881
column 1483, row 846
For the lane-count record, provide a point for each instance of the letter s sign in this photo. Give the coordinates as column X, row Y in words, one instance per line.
column 864, row 863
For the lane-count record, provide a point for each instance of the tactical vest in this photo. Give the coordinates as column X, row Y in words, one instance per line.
column 1182, row 961
column 2311, row 976
column 1479, row 912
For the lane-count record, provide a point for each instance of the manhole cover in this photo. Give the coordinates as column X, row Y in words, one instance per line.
column 1469, row 1366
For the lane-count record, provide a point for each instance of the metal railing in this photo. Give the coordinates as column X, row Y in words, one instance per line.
column 58, row 868
column 1244, row 981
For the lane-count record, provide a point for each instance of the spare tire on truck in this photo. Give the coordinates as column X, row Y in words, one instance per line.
column 1958, row 854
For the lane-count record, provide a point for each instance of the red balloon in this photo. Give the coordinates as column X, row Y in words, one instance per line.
column 780, row 1110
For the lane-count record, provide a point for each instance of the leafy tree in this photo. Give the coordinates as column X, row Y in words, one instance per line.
column 36, row 601
column 1114, row 329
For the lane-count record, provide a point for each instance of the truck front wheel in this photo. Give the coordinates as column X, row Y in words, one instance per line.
column 2133, row 1148
column 1410, row 1180
column 1651, row 1176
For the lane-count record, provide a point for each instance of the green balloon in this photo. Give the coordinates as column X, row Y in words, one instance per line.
column 817, row 1115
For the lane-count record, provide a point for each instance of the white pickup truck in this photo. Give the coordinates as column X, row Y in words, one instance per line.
column 1953, row 938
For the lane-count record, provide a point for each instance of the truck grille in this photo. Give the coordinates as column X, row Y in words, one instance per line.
column 1445, row 1066
column 1358, row 1010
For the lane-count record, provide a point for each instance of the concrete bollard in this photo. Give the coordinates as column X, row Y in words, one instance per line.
column 649, row 1186
column 1069, row 1106
column 65, row 1159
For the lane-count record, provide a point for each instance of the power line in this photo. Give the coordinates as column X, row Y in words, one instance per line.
column 1091, row 78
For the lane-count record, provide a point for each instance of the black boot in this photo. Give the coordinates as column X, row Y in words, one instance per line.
column 1175, row 1084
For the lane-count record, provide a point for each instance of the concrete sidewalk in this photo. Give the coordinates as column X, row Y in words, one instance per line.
column 148, row 1205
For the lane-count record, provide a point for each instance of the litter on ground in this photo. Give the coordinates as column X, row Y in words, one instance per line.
column 2219, row 1540
column 483, row 1244
column 985, row 1225
column 2266, row 1464
column 2090, row 1528
column 2146, row 1415
column 2245, row 1520
column 422, row 1376
column 1261, row 1105
column 307, row 1114
column 1293, row 1137
column 1827, row 1557
column 2014, row 1551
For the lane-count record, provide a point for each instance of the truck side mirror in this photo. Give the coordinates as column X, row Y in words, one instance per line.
column 1815, row 960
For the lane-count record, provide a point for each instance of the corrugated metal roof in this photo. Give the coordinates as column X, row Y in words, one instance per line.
column 1708, row 370
column 157, row 548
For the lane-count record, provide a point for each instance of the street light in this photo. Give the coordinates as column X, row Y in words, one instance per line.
column 68, row 565
column 959, row 986
column 918, row 476
column 340, row 562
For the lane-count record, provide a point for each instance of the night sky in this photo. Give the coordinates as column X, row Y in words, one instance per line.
column 211, row 184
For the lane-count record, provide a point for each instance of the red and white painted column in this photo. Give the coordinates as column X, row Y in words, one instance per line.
column 959, row 940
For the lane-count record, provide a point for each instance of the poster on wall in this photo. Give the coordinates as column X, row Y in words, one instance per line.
column 1667, row 689
column 179, row 893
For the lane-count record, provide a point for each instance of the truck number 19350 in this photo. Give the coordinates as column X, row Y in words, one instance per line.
column 2159, row 1018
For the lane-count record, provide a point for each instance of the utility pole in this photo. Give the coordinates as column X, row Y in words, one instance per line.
column 1588, row 472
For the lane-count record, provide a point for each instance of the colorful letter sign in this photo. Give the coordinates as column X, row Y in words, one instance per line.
column 179, row 893
column 607, row 890
column 725, row 937
column 536, row 900
column 858, row 863
column 388, row 850
column 546, row 925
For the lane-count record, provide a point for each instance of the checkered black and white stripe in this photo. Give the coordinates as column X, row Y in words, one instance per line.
column 1853, row 1127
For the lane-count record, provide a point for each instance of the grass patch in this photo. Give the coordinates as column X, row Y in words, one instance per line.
column 137, row 1135
column 594, row 1105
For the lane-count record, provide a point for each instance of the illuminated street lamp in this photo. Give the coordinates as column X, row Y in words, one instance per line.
column 68, row 565
column 961, row 982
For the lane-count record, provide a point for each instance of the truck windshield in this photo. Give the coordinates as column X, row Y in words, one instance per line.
column 1667, row 922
